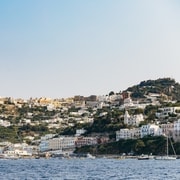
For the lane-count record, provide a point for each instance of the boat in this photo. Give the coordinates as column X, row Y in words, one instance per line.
column 9, row 156
column 167, row 157
column 143, row 157
column 90, row 156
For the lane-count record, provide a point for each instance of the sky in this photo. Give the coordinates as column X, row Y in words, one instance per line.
column 63, row 48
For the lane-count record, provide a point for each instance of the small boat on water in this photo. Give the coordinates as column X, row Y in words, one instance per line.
column 90, row 156
column 143, row 157
column 165, row 158
column 8, row 156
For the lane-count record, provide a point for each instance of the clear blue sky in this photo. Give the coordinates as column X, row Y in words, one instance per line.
column 62, row 48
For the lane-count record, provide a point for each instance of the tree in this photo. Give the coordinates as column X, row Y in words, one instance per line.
column 139, row 145
column 111, row 93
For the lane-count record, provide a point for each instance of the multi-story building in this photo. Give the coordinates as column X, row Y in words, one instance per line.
column 83, row 141
column 176, row 132
column 60, row 143
column 44, row 145
column 150, row 129
column 164, row 112
column 127, row 134
column 133, row 120
column 128, row 102
column 167, row 128
column 177, row 129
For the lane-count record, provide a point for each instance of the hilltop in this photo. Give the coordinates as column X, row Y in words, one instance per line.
column 167, row 87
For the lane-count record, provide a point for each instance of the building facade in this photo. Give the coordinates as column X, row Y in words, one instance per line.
column 127, row 134
column 150, row 129
column 133, row 120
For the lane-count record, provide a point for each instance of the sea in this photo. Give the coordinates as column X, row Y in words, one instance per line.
column 89, row 169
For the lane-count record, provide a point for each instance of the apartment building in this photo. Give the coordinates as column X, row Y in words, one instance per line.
column 150, row 129
column 133, row 120
column 128, row 134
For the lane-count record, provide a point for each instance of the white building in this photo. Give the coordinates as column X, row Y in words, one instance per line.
column 128, row 102
column 150, row 129
column 19, row 149
column 84, row 141
column 167, row 128
column 80, row 131
column 164, row 112
column 4, row 123
column 115, row 97
column 44, row 145
column 102, row 98
column 47, row 136
column 50, row 107
column 177, row 125
column 133, row 120
column 176, row 132
column 103, row 114
column 128, row 134
column 18, row 152
column 60, row 143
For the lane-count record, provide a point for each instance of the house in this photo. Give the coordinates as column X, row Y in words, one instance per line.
column 177, row 125
column 150, row 129
column 83, row 141
column 166, row 111
column 128, row 102
column 167, row 128
column 128, row 134
column 4, row 123
column 176, row 132
column 50, row 107
column 133, row 120
column 47, row 136
column 80, row 132
column 44, row 145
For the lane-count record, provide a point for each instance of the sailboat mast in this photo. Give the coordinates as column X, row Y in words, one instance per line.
column 172, row 147
column 167, row 146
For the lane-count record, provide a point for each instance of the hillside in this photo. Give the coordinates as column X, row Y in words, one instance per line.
column 164, row 86
column 146, row 145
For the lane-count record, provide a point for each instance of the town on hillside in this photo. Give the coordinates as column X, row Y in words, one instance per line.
column 55, row 127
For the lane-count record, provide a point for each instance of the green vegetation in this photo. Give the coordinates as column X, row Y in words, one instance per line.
column 16, row 134
column 9, row 134
column 166, row 86
column 146, row 145
column 40, row 129
column 110, row 122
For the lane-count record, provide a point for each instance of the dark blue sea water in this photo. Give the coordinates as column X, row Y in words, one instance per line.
column 89, row 169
